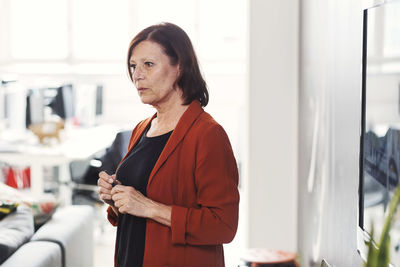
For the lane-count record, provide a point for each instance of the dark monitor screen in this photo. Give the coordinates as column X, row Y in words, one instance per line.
column 34, row 107
column 99, row 100
column 63, row 104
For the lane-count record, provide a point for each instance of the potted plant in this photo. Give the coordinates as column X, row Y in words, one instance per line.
column 379, row 254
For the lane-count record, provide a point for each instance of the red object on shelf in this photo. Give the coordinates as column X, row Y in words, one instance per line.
column 17, row 177
column 27, row 177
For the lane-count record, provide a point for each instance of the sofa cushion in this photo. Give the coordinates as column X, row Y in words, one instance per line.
column 15, row 230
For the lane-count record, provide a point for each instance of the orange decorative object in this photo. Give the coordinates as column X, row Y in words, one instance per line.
column 47, row 130
column 261, row 257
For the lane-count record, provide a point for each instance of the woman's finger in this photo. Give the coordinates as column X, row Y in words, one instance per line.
column 103, row 175
column 118, row 203
column 117, row 196
column 102, row 190
column 104, row 184
column 123, row 210
column 119, row 188
column 107, row 178
column 105, row 196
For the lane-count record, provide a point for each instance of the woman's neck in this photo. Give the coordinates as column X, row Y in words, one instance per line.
column 168, row 115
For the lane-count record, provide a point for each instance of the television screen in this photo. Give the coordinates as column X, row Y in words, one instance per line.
column 63, row 104
column 380, row 122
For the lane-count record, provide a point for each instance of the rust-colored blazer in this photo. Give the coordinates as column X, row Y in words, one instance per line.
column 197, row 175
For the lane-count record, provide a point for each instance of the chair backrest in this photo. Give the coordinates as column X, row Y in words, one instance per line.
column 115, row 152
column 84, row 172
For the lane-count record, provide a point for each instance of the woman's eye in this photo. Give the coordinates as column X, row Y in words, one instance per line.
column 133, row 67
column 149, row 64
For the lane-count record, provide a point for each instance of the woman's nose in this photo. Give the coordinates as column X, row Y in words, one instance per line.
column 138, row 74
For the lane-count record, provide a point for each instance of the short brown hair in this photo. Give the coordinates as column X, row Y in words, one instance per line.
column 178, row 47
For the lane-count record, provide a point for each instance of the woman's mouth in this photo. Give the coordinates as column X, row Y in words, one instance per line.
column 141, row 89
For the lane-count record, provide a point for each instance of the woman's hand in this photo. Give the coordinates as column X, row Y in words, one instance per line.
column 128, row 200
column 105, row 182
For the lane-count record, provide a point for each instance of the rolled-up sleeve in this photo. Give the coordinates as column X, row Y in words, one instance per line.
column 215, row 219
column 178, row 224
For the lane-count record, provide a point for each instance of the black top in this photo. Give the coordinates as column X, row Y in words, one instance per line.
column 135, row 171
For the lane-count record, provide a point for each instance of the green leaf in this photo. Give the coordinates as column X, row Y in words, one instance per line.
column 372, row 256
column 380, row 256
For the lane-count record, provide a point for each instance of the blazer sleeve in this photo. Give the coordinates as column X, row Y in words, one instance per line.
column 216, row 177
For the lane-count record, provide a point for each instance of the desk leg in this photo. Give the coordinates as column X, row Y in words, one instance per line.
column 65, row 187
column 37, row 179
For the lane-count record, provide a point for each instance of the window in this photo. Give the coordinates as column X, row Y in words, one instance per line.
column 391, row 42
column 92, row 36
column 384, row 39
column 102, row 35
column 37, row 29
column 68, row 30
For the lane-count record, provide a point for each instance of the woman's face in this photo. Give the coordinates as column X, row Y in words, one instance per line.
column 153, row 75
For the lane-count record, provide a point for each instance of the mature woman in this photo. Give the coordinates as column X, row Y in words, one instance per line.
column 174, row 196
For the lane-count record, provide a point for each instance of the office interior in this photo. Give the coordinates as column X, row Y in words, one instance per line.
column 292, row 82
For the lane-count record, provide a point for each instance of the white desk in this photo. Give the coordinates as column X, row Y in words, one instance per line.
column 78, row 144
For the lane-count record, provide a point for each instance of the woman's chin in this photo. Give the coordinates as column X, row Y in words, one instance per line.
column 146, row 100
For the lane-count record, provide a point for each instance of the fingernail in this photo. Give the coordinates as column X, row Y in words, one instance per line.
column 110, row 180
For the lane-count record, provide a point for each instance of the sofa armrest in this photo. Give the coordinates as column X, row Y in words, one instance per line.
column 72, row 228
column 35, row 254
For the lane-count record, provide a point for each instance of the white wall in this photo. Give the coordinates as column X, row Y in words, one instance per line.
column 271, row 187
column 329, row 131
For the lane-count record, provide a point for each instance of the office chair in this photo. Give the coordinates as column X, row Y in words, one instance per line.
column 84, row 173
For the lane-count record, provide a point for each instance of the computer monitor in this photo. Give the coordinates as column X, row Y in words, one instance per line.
column 34, row 107
column 379, row 161
column 63, row 104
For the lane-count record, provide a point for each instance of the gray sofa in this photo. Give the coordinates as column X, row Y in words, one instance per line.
column 66, row 240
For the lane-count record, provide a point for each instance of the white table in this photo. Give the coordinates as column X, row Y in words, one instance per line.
column 77, row 144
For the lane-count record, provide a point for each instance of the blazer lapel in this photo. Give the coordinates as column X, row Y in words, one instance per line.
column 184, row 124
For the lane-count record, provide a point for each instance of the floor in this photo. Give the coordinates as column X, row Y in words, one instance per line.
column 104, row 249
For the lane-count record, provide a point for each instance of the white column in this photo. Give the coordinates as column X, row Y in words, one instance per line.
column 271, row 171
